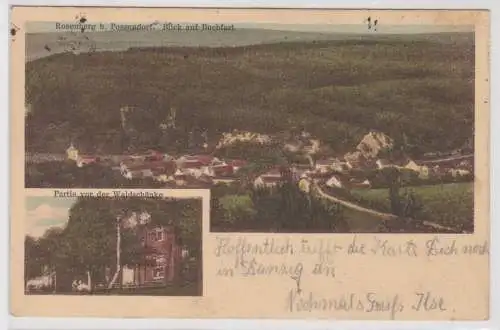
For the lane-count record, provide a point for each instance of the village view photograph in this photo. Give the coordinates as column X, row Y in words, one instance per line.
column 360, row 128
column 108, row 246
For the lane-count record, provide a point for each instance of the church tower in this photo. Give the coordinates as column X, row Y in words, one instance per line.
column 171, row 118
column 123, row 116
column 72, row 152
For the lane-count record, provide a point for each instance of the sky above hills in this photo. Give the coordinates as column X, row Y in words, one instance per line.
column 44, row 212
column 42, row 40
column 44, row 27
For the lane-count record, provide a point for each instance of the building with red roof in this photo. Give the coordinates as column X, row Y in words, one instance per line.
column 147, row 169
column 161, row 256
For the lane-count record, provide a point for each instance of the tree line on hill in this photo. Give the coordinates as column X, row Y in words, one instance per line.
column 337, row 92
column 66, row 174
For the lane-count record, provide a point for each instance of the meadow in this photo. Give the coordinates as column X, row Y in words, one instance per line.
column 450, row 205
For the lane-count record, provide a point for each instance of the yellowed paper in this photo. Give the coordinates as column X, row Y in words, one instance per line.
column 336, row 162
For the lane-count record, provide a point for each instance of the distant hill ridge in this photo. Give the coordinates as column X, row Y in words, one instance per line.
column 37, row 44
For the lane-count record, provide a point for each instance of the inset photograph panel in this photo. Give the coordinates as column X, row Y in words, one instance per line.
column 113, row 246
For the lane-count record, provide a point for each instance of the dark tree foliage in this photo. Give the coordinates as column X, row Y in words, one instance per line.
column 337, row 90
column 66, row 174
column 263, row 154
column 283, row 208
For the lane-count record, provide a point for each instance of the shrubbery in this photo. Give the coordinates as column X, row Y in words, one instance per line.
column 283, row 208
column 65, row 174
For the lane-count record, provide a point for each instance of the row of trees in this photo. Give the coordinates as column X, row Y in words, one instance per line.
column 88, row 243
column 65, row 174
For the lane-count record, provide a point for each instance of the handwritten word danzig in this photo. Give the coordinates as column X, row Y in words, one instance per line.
column 246, row 263
column 254, row 268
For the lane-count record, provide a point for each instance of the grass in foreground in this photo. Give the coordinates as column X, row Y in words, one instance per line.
column 450, row 205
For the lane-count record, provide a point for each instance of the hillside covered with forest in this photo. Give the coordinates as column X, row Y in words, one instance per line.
column 336, row 89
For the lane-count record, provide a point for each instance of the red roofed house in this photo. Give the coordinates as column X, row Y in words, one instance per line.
column 130, row 162
column 205, row 159
column 161, row 256
column 223, row 174
column 237, row 164
column 83, row 160
column 180, row 177
column 219, row 170
column 148, row 169
column 80, row 160
column 165, row 172
column 137, row 172
column 324, row 165
column 269, row 179
column 191, row 164
column 197, row 160
column 153, row 155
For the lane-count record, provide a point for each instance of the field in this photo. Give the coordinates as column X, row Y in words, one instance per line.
column 360, row 222
column 449, row 205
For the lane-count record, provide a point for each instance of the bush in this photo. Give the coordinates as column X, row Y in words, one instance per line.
column 65, row 174
column 280, row 209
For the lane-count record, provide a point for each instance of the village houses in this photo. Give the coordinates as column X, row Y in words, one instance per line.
column 73, row 153
column 243, row 136
column 206, row 169
column 269, row 179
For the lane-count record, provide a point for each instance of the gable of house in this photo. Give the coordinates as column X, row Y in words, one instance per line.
column 334, row 181
column 267, row 180
column 324, row 163
column 237, row 163
column 72, row 153
column 304, row 185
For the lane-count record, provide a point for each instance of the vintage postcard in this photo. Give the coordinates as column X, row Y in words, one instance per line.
column 343, row 157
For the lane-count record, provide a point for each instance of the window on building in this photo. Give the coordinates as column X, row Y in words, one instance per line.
column 159, row 273
column 159, row 270
column 156, row 235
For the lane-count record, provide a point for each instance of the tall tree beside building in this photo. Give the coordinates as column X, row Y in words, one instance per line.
column 392, row 177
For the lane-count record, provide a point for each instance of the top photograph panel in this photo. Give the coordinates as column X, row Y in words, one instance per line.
column 377, row 120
